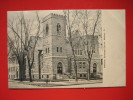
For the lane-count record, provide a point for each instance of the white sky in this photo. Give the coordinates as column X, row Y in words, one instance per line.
column 42, row 13
column 31, row 14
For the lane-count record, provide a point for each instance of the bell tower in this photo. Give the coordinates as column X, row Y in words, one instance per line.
column 54, row 44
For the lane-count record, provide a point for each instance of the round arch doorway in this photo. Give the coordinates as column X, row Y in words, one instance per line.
column 59, row 68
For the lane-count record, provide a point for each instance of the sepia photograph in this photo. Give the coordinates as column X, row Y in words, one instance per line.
column 62, row 49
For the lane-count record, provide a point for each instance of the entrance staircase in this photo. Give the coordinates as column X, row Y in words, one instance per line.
column 65, row 76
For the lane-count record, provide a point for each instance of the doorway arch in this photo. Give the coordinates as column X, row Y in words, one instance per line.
column 94, row 68
column 59, row 68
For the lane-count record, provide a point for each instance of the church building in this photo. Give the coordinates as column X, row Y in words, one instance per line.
column 54, row 57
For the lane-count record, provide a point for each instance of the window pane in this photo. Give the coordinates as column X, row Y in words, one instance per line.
column 47, row 28
column 80, row 64
column 57, row 49
column 84, row 65
column 80, row 75
column 80, row 52
column 84, row 75
column 60, row 49
column 58, row 28
column 46, row 50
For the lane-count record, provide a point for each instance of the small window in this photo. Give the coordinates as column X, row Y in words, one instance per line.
column 60, row 49
column 57, row 49
column 46, row 50
column 101, row 61
column 80, row 75
column 84, row 75
column 80, row 52
column 77, row 52
column 83, row 64
column 80, row 64
column 47, row 28
column 47, row 76
column 94, row 49
column 58, row 28
column 42, row 76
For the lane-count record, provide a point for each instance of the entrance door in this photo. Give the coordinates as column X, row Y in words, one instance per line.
column 59, row 68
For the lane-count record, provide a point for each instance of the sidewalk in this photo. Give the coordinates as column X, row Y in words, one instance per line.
column 36, row 84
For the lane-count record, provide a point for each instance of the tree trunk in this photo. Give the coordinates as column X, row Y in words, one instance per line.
column 20, row 62
column 39, row 64
column 30, row 76
column 20, row 73
column 89, row 71
column 75, row 65
column 39, row 69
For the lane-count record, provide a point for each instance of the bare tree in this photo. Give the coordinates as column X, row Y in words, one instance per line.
column 89, row 25
column 71, row 17
column 16, row 43
column 20, row 42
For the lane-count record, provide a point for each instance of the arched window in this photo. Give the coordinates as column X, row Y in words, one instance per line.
column 94, row 68
column 58, row 28
column 94, row 50
column 47, row 28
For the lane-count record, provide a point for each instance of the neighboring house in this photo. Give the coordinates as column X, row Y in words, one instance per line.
column 13, row 68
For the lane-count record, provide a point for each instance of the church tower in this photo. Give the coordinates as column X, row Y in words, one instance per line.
column 54, row 46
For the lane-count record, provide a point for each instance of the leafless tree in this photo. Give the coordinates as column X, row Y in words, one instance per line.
column 89, row 25
column 71, row 17
column 20, row 42
column 31, row 49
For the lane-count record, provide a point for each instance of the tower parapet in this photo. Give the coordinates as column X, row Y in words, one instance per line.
column 53, row 15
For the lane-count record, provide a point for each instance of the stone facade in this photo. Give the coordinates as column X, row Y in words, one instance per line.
column 56, row 60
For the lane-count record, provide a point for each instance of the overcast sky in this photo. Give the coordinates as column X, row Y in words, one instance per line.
column 42, row 13
column 32, row 14
column 12, row 15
